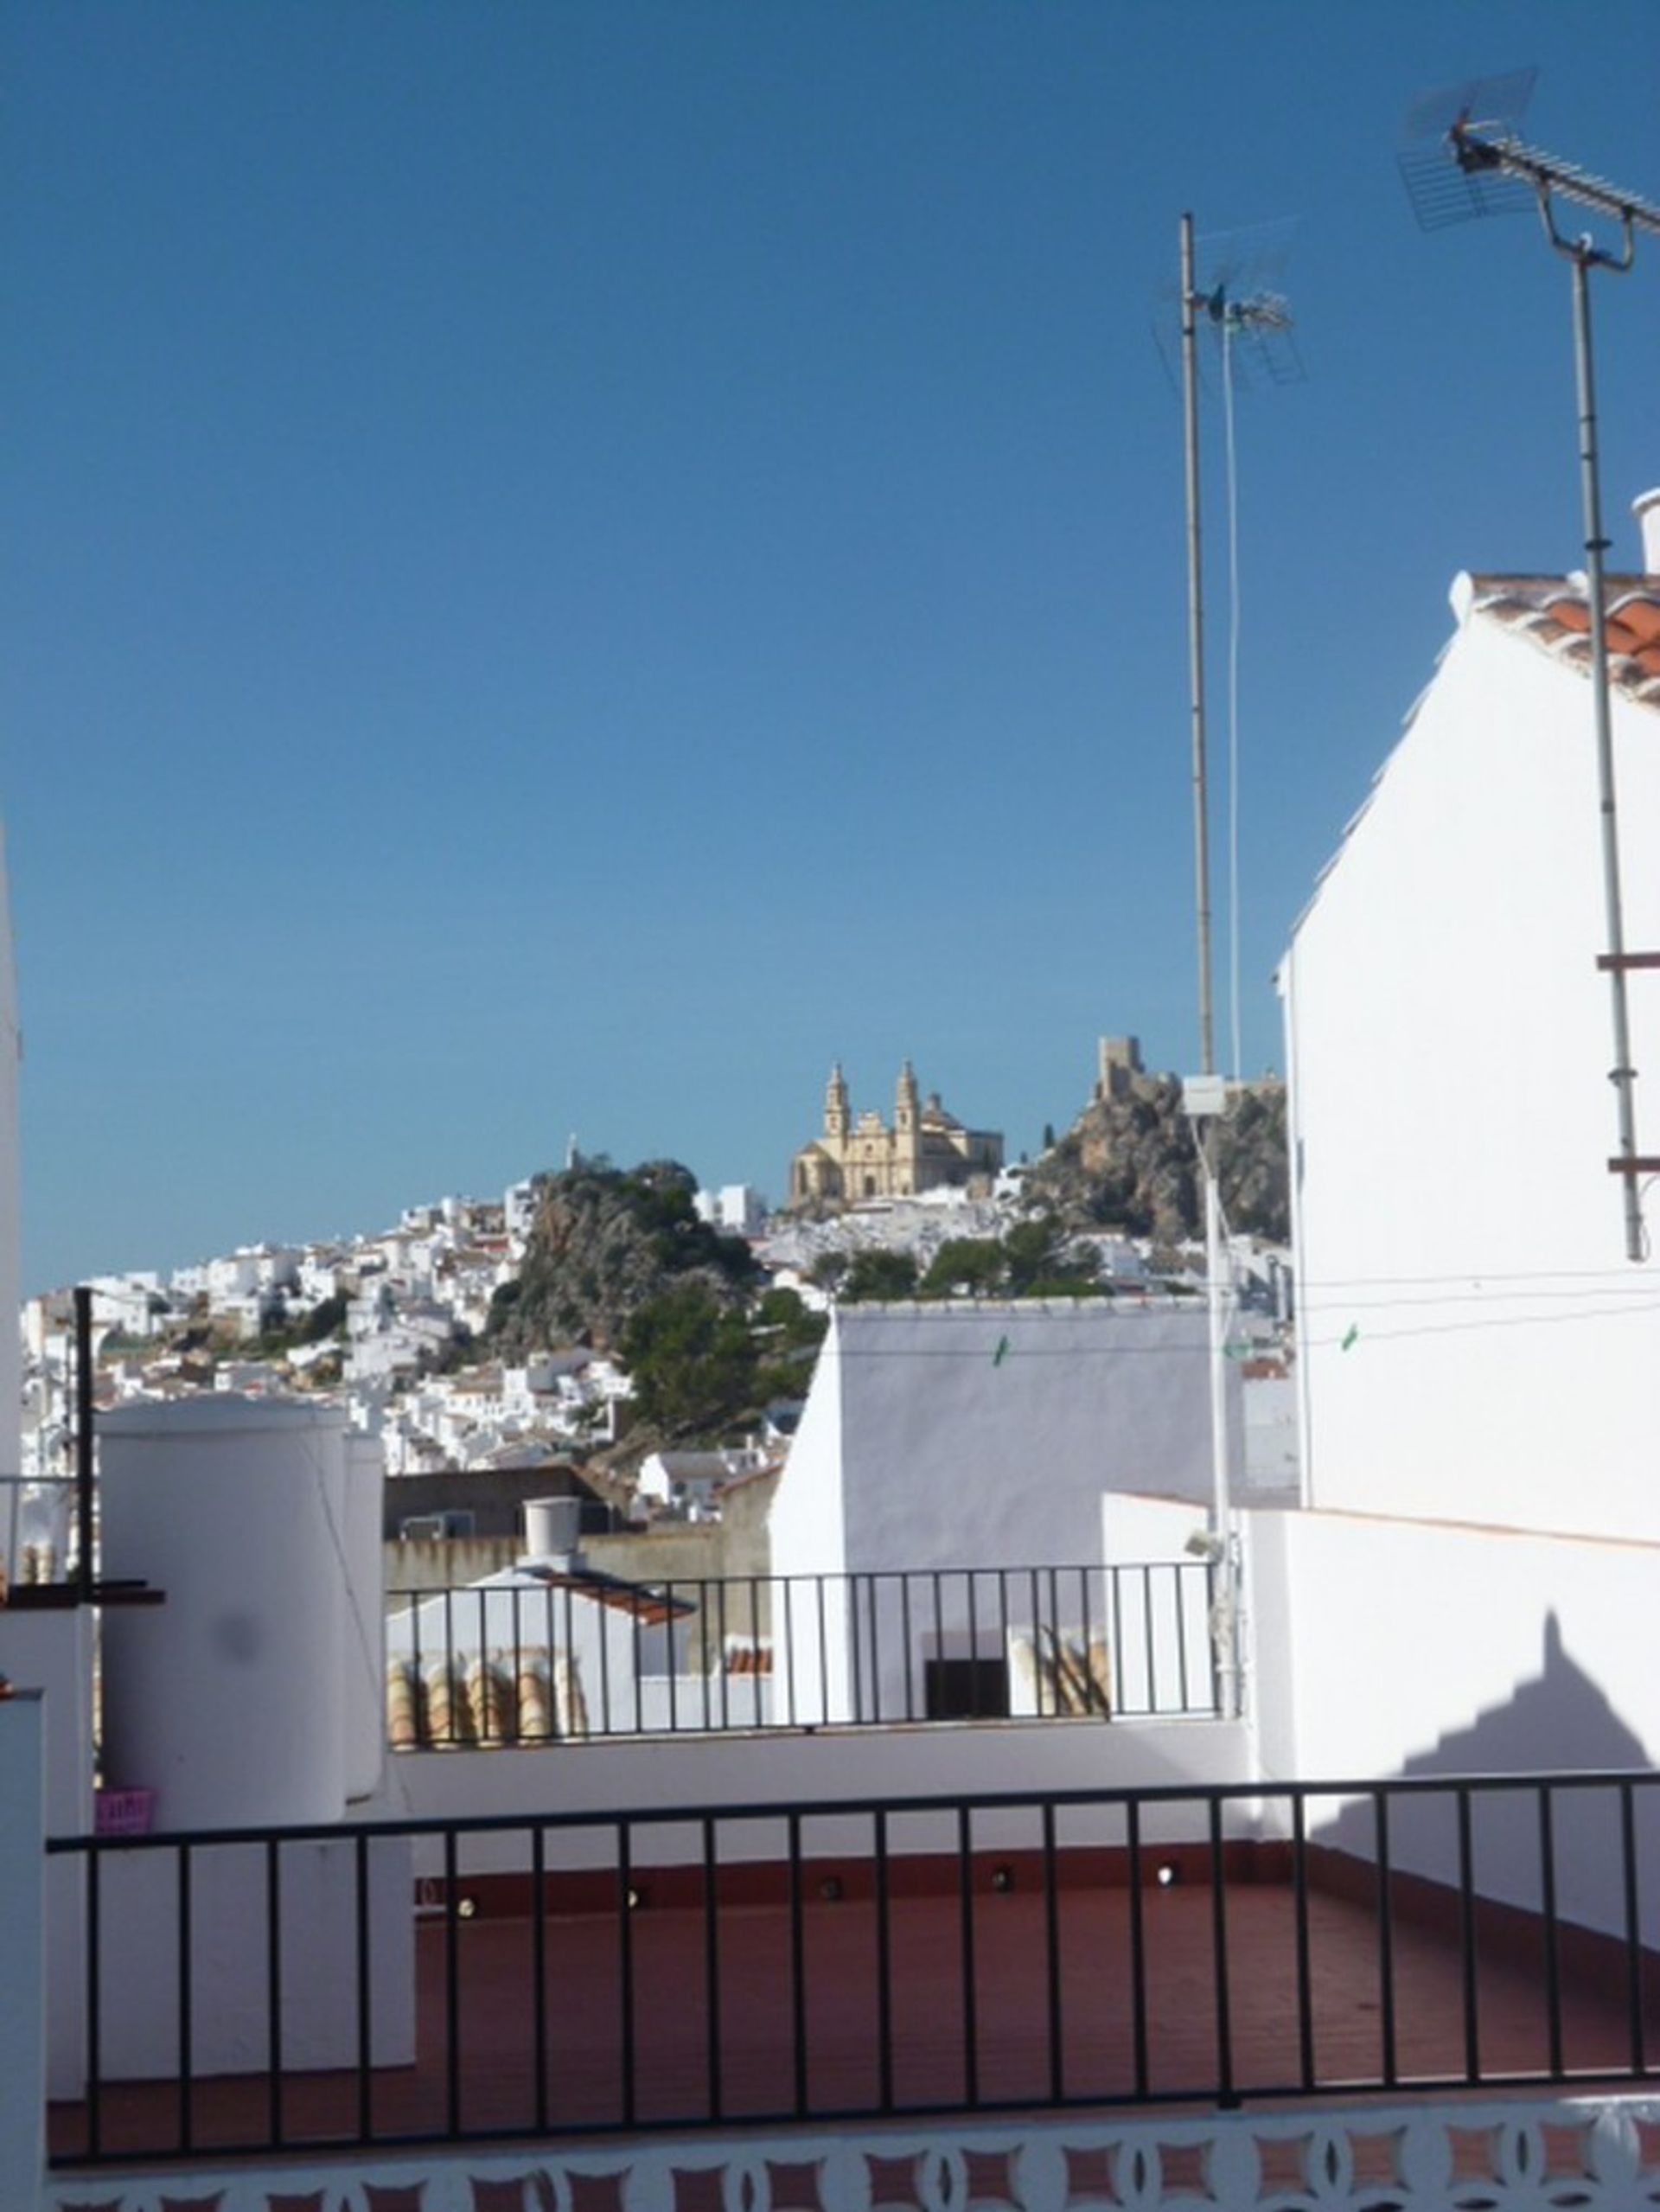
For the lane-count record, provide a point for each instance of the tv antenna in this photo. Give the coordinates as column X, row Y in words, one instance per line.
column 1466, row 157
column 1231, row 285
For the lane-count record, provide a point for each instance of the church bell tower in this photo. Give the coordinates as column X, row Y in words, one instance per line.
column 907, row 1135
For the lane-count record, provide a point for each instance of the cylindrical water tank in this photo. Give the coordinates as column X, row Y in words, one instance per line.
column 364, row 1631
column 226, row 1699
column 552, row 1527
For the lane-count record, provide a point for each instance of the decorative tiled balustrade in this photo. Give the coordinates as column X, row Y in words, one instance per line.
column 1593, row 2154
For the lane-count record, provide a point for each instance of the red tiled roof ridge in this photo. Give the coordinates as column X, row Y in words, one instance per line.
column 1553, row 613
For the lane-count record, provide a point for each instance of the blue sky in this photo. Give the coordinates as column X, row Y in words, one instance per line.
column 567, row 563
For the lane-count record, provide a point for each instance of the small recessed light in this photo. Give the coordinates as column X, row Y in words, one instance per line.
column 1167, row 1873
column 831, row 1890
column 1002, row 1879
column 467, row 1908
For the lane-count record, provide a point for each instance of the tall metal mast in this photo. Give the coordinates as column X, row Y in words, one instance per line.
column 1192, row 303
column 1237, row 314
column 1488, row 155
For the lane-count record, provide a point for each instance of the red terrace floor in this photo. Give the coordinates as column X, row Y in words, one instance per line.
column 752, row 2039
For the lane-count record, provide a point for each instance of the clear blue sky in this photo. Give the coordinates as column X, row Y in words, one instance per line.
column 566, row 563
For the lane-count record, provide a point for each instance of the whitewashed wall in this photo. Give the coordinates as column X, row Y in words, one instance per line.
column 51, row 1651
column 10, row 1349
column 985, row 1436
column 1460, row 1254
column 139, row 1953
column 949, row 1436
column 22, row 2038
column 1162, row 1645
column 807, row 1524
column 1387, row 1648
column 795, row 1770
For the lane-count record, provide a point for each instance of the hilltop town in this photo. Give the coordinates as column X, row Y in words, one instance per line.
column 485, row 1335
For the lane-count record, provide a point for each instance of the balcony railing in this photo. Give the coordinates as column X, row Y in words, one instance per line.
column 574, row 1654
column 417, row 1982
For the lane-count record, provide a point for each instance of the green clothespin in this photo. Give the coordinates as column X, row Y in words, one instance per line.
column 1002, row 1351
column 1351, row 1338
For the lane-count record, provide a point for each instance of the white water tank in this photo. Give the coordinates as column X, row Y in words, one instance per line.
column 552, row 1527
column 226, row 1699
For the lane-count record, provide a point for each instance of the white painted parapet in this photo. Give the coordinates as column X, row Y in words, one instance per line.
column 1596, row 2153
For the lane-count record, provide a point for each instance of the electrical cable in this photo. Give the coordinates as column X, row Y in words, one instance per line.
column 1467, row 1274
column 1477, row 1296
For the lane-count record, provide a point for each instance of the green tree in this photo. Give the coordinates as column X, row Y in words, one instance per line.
column 1037, row 1261
column 693, row 1361
column 977, row 1265
column 876, row 1276
column 327, row 1318
column 787, row 1334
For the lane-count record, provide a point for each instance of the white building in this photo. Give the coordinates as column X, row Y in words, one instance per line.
column 939, row 1434
column 519, row 1205
column 688, row 1482
column 1475, row 1346
column 1475, row 1355
column 736, row 1208
column 982, row 1438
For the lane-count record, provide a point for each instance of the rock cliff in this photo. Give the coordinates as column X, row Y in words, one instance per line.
column 1127, row 1162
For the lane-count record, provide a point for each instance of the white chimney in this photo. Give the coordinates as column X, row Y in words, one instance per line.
column 552, row 1527
column 1646, row 508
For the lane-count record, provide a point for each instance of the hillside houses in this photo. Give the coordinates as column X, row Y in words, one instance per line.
column 409, row 1298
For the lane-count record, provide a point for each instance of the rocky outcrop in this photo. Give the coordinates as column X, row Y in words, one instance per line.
column 605, row 1243
column 1127, row 1162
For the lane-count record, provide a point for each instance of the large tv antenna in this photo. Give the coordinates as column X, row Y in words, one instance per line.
column 1466, row 157
column 1232, row 287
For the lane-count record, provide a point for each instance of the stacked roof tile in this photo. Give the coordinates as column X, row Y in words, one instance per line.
column 1554, row 612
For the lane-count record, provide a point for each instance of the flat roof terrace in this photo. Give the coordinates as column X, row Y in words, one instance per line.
column 867, row 1983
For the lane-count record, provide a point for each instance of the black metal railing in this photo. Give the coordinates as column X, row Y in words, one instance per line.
column 577, row 1654
column 420, row 1982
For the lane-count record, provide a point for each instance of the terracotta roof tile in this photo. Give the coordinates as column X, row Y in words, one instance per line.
column 1554, row 612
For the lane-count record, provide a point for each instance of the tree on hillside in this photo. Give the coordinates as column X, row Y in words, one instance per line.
column 1039, row 1265
column 787, row 1334
column 976, row 1265
column 693, row 1361
column 876, row 1276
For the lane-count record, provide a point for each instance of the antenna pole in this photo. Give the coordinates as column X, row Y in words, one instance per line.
column 1622, row 1074
column 1195, row 643
column 1224, row 1609
column 1483, row 151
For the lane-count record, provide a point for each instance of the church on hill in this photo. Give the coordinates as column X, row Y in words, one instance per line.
column 925, row 1149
